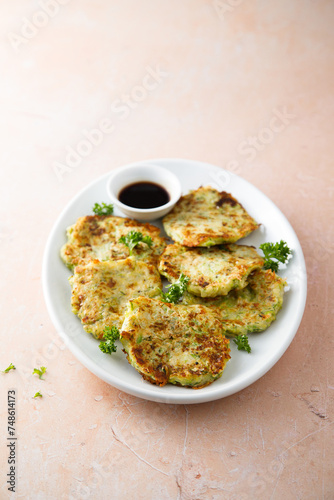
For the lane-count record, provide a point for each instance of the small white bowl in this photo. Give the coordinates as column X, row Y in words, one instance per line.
column 125, row 176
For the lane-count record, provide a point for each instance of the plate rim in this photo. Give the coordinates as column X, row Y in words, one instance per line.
column 195, row 397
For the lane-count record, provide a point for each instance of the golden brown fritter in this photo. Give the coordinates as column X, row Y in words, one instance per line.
column 168, row 343
column 212, row 271
column 205, row 217
column 97, row 237
column 251, row 309
column 101, row 291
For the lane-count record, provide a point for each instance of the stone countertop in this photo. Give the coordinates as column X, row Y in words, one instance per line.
column 88, row 86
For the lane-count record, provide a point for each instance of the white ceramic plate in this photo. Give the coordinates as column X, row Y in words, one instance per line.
column 242, row 369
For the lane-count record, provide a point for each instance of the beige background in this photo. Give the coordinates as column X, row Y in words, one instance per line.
column 223, row 71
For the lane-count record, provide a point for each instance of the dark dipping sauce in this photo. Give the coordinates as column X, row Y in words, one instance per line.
column 144, row 195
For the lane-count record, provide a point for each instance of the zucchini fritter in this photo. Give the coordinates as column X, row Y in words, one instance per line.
column 97, row 237
column 101, row 291
column 168, row 343
column 205, row 217
column 251, row 309
column 212, row 271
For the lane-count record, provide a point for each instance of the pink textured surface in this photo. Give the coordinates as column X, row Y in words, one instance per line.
column 198, row 79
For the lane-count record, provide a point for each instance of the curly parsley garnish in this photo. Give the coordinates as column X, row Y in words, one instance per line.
column 242, row 343
column 132, row 239
column 103, row 209
column 176, row 290
column 38, row 395
column 39, row 371
column 10, row 367
column 278, row 251
column 111, row 334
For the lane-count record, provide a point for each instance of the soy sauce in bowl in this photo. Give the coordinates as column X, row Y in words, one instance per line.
column 144, row 195
column 143, row 191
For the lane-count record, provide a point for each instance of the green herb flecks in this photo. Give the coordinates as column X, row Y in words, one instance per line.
column 242, row 342
column 133, row 238
column 176, row 290
column 40, row 372
column 278, row 251
column 103, row 209
column 10, row 367
column 38, row 395
column 111, row 334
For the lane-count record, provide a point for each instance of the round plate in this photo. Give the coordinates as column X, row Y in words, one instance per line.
column 242, row 369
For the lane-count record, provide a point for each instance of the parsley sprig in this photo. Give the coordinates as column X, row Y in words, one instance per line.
column 40, row 372
column 107, row 344
column 10, row 367
column 242, row 343
column 278, row 251
column 132, row 239
column 176, row 290
column 103, row 209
